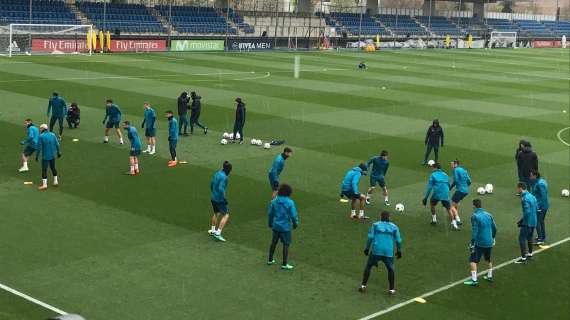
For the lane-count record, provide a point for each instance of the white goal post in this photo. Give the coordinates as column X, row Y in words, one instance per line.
column 503, row 39
column 28, row 39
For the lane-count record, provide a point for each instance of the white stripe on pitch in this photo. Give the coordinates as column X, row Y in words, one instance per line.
column 451, row 285
column 31, row 299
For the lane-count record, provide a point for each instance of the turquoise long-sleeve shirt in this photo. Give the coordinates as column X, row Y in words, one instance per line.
column 149, row 118
column 282, row 214
column 351, row 180
column 172, row 129
column 57, row 107
column 438, row 182
column 218, row 186
column 483, row 228
column 113, row 113
column 529, row 208
column 381, row 237
column 379, row 166
column 461, row 180
column 134, row 138
column 48, row 146
column 540, row 192
column 33, row 137
column 277, row 167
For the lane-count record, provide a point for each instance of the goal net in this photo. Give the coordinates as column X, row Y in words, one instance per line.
column 28, row 39
column 502, row 39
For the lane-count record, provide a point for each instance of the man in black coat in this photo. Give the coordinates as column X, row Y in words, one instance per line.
column 240, row 120
column 183, row 100
column 195, row 111
column 527, row 161
column 434, row 139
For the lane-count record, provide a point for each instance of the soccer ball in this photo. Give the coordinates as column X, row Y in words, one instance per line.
column 231, row 136
column 253, row 141
column 224, row 141
column 259, row 143
column 565, row 193
column 266, row 146
column 489, row 188
column 481, row 190
column 226, row 135
column 431, row 163
column 237, row 136
column 400, row 207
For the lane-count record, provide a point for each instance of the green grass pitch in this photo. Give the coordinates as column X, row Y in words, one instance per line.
column 109, row 246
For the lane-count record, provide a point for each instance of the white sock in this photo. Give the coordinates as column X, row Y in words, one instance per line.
column 386, row 198
column 121, row 140
column 368, row 196
column 106, row 139
column 44, row 182
column 218, row 232
column 490, row 273
column 153, row 148
column 213, row 228
column 132, row 169
column 25, row 164
column 457, row 219
column 55, row 181
column 361, row 213
column 474, row 275
column 136, row 167
column 454, row 223
column 434, row 218
column 148, row 148
column 352, row 213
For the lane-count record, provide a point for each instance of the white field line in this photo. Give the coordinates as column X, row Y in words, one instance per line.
column 451, row 285
column 161, row 76
column 559, row 135
column 33, row 300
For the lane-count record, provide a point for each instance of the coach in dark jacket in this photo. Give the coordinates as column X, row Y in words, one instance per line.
column 240, row 120
column 527, row 161
column 183, row 101
column 434, row 139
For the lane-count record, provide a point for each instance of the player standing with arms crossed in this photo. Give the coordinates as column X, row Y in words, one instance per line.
column 148, row 124
column 58, row 109
column 282, row 215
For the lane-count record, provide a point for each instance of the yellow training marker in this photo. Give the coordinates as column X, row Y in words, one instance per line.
column 183, row 162
column 343, row 200
column 420, row 300
column 75, row 140
column 28, row 182
column 544, row 246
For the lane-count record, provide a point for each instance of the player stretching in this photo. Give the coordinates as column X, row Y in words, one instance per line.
column 483, row 231
column 172, row 138
column 380, row 166
column 349, row 189
column 195, row 111
column 462, row 181
column 48, row 146
column 149, row 128
column 240, row 120
column 218, row 187
column 58, row 110
column 112, row 120
column 381, row 237
column 282, row 215
column 276, row 168
column 527, row 223
column 31, row 142
column 136, row 146
column 438, row 182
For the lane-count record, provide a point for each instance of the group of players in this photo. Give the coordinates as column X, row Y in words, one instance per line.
column 383, row 236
